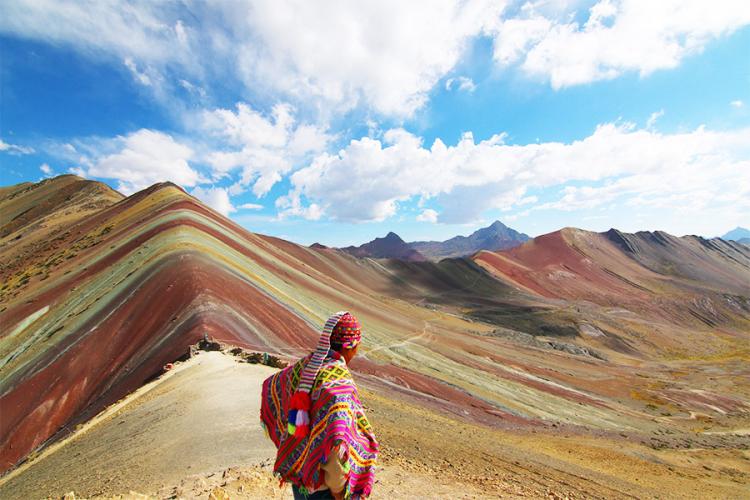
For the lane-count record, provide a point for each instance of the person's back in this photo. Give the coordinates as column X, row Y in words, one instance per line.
column 312, row 413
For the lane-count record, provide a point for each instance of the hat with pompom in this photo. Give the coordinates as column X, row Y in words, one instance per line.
column 341, row 328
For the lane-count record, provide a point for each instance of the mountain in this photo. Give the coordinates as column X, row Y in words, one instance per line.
column 32, row 215
column 737, row 234
column 744, row 241
column 94, row 312
column 497, row 236
column 50, row 202
column 389, row 247
column 687, row 280
column 573, row 350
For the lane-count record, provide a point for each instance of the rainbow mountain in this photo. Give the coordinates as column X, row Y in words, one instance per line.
column 600, row 333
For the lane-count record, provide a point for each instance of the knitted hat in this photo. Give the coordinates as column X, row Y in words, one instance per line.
column 347, row 334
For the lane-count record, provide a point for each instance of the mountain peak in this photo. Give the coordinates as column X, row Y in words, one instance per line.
column 391, row 246
column 496, row 236
column 737, row 233
column 497, row 225
column 391, row 236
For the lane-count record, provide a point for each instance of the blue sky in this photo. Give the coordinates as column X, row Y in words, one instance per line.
column 338, row 122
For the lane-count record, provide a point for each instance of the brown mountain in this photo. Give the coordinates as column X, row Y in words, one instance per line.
column 496, row 236
column 389, row 247
column 34, row 214
column 684, row 280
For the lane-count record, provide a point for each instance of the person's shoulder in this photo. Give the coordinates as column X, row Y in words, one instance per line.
column 334, row 372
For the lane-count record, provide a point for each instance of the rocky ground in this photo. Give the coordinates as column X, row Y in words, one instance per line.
column 193, row 433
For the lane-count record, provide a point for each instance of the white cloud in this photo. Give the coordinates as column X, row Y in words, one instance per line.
column 193, row 89
column 387, row 54
column 291, row 206
column 140, row 30
column 79, row 171
column 216, row 198
column 46, row 169
column 653, row 117
column 428, row 215
column 141, row 159
column 139, row 76
column 618, row 37
column 737, row 104
column 263, row 148
column 332, row 56
column 15, row 149
column 250, row 206
column 461, row 83
column 643, row 167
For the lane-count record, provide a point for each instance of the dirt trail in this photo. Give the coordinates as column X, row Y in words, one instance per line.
column 194, row 433
column 201, row 418
column 190, row 432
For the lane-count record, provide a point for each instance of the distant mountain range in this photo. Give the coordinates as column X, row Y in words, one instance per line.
column 739, row 234
column 496, row 236
column 389, row 247
column 628, row 270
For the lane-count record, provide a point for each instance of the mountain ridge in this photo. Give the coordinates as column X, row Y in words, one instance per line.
column 496, row 236
column 736, row 234
column 391, row 246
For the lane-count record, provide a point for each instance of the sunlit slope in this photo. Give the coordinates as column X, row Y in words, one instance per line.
column 132, row 286
column 689, row 280
column 34, row 216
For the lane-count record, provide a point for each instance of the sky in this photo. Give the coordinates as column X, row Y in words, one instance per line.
column 339, row 121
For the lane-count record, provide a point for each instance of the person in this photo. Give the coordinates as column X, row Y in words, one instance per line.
column 311, row 410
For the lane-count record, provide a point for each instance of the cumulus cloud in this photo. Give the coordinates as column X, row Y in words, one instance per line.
column 617, row 161
column 737, row 104
column 262, row 148
column 15, row 149
column 618, row 37
column 428, row 215
column 46, row 169
column 336, row 55
column 216, row 198
column 386, row 54
column 292, row 206
column 250, row 206
column 141, row 159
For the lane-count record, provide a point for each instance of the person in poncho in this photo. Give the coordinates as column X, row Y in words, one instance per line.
column 312, row 413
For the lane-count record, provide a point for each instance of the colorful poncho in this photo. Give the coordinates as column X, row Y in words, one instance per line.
column 336, row 418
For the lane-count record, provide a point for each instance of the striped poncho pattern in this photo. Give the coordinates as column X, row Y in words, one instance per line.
column 336, row 419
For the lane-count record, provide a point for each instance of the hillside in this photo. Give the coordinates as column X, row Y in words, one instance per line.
column 33, row 214
column 95, row 313
column 686, row 281
column 202, row 418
